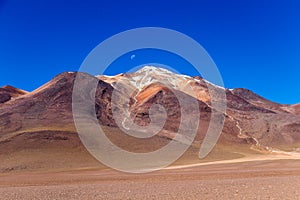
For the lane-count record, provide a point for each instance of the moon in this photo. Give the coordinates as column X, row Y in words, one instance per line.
column 132, row 57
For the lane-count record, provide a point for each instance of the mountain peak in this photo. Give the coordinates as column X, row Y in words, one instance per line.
column 151, row 68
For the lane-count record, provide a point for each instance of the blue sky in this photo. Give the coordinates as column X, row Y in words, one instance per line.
column 255, row 44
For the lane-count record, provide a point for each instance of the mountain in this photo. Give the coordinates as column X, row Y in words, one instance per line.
column 37, row 129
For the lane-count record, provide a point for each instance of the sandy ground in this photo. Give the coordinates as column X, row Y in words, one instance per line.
column 268, row 179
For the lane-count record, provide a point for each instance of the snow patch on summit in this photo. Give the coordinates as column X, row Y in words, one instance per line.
column 151, row 74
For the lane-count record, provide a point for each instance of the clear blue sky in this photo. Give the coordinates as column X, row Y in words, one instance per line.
column 255, row 44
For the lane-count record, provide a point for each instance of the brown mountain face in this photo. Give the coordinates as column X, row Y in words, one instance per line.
column 295, row 109
column 8, row 92
column 37, row 126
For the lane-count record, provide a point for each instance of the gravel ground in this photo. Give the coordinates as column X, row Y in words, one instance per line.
column 249, row 188
column 258, row 180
